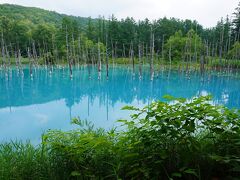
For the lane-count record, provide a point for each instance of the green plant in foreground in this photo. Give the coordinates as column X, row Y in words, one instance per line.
column 177, row 140
column 186, row 139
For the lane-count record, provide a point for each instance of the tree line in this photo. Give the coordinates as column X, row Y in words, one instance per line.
column 93, row 40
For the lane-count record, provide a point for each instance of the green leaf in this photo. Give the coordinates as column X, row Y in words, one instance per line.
column 75, row 173
column 76, row 121
column 218, row 130
column 131, row 108
column 181, row 100
column 169, row 97
column 122, row 121
column 176, row 175
column 191, row 171
column 131, row 155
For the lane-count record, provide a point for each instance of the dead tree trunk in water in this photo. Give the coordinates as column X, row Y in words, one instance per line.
column 19, row 59
column 163, row 47
column 44, row 54
column 8, row 57
column 195, row 45
column 47, row 56
column 152, row 53
column 202, row 63
column 146, row 52
column 202, row 58
column 140, row 60
column 68, row 59
column 207, row 52
column 54, row 50
column 30, row 61
column 115, row 50
column 124, row 52
column 3, row 54
column 170, row 54
column 73, row 51
column 35, row 57
column 107, row 55
column 99, row 57
column 228, row 49
column 113, row 56
column 88, row 59
column 132, row 58
column 221, row 45
column 16, row 60
column 79, row 50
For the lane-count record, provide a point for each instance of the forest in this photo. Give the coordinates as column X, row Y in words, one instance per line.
column 48, row 37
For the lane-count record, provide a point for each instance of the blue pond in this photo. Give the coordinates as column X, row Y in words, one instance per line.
column 31, row 105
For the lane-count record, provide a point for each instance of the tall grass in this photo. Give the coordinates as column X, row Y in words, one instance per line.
column 181, row 140
column 20, row 160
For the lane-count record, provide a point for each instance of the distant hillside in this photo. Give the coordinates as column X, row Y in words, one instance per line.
column 36, row 15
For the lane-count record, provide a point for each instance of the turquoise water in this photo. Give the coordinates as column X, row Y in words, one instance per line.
column 31, row 105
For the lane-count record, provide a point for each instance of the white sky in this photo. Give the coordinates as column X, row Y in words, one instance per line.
column 206, row 12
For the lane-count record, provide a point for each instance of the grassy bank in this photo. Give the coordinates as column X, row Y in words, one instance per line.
column 210, row 62
column 184, row 140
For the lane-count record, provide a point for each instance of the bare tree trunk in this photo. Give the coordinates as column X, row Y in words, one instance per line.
column 195, row 45
column 228, row 49
column 140, row 60
column 16, row 60
column 146, row 53
column 207, row 51
column 73, row 51
column 152, row 55
column 8, row 57
column 185, row 58
column 30, row 61
column 107, row 55
column 45, row 54
column 34, row 54
column 92, row 56
column 170, row 54
column 221, row 45
column 202, row 63
column 216, row 48
column 88, row 59
column 143, row 53
column 132, row 57
column 68, row 59
column 3, row 54
column 124, row 52
column 190, row 49
column 19, row 59
column 195, row 50
column 79, row 50
column 115, row 50
column 54, row 49
column 113, row 56
column 163, row 47
column 99, row 57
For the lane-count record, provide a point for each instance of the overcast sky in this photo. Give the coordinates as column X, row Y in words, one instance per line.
column 206, row 12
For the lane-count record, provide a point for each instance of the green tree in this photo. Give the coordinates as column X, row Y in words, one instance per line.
column 236, row 23
column 235, row 51
column 21, row 33
column 6, row 26
column 181, row 46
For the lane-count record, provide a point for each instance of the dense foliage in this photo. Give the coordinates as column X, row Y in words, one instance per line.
column 177, row 140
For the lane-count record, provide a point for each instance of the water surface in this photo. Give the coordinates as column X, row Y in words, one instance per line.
column 31, row 105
